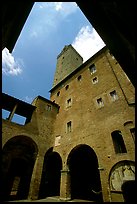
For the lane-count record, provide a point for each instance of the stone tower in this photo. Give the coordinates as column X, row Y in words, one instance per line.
column 67, row 61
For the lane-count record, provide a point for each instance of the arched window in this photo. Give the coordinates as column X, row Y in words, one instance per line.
column 118, row 142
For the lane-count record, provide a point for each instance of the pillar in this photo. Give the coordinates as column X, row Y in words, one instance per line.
column 65, row 188
column 12, row 113
column 104, row 184
column 36, row 178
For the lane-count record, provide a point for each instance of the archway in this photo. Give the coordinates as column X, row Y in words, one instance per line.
column 84, row 174
column 51, row 175
column 122, row 180
column 18, row 158
column 128, row 189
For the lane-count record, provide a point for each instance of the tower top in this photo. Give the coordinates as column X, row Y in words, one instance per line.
column 66, row 47
column 67, row 61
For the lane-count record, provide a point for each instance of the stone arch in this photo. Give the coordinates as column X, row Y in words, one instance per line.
column 51, row 174
column 121, row 176
column 18, row 158
column 84, row 174
column 130, row 127
column 128, row 123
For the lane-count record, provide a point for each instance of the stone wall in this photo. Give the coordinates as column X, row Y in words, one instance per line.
column 91, row 124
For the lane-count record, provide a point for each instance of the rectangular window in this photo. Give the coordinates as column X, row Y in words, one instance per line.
column 69, row 102
column 100, row 102
column 57, row 140
column 113, row 95
column 19, row 119
column 69, row 127
column 5, row 114
column 95, row 80
column 48, row 107
column 92, row 69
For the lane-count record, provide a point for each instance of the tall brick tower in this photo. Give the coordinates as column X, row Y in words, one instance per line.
column 67, row 61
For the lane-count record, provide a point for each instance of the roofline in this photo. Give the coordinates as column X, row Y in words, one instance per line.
column 23, row 108
column 67, row 49
column 18, row 100
column 47, row 100
column 79, row 68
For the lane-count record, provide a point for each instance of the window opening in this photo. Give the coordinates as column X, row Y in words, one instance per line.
column 69, row 127
column 132, row 130
column 95, row 80
column 5, row 114
column 118, row 142
column 48, row 107
column 79, row 78
column 114, row 95
column 69, row 102
column 19, row 119
column 58, row 94
column 92, row 69
column 67, row 87
column 57, row 140
column 100, row 102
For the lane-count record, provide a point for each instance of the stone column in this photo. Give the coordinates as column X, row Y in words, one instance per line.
column 12, row 113
column 104, row 184
column 36, row 178
column 65, row 188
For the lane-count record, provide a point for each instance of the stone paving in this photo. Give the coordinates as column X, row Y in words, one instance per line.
column 52, row 199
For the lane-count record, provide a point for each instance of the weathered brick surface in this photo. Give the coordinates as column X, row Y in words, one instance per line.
column 92, row 125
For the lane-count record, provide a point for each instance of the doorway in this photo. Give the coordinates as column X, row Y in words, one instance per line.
column 51, row 175
column 84, row 174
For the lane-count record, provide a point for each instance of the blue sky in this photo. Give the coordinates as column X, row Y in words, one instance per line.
column 29, row 70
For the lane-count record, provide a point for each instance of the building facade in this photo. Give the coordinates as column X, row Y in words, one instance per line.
column 80, row 144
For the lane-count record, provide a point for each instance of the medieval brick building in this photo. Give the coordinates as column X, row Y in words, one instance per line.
column 80, row 143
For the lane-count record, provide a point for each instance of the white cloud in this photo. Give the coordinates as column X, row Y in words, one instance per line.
column 64, row 8
column 87, row 42
column 28, row 99
column 9, row 65
column 51, row 14
column 58, row 6
column 34, row 34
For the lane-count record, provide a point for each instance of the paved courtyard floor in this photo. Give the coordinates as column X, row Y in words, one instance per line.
column 52, row 199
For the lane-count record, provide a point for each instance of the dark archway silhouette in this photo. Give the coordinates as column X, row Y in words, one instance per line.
column 124, row 183
column 18, row 158
column 128, row 189
column 51, row 175
column 84, row 174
